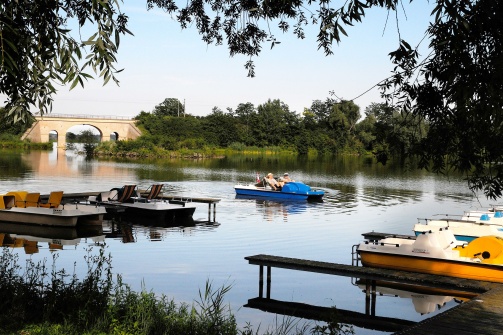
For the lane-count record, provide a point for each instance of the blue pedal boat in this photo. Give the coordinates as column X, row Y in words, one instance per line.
column 291, row 191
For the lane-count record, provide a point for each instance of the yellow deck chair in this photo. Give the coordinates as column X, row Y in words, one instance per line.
column 19, row 197
column 54, row 200
column 7, row 201
column 31, row 200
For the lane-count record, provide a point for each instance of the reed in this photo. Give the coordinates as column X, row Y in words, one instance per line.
column 44, row 300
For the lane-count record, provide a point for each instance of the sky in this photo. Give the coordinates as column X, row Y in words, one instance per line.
column 163, row 61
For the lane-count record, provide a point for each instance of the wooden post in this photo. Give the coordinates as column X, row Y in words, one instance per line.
column 374, row 298
column 268, row 282
column 261, row 281
column 367, row 296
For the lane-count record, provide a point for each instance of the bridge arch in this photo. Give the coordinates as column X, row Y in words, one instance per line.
column 123, row 128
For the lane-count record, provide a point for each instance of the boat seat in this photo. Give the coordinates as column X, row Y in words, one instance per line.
column 151, row 193
column 7, row 201
column 123, row 194
column 31, row 200
column 54, row 200
column 19, row 197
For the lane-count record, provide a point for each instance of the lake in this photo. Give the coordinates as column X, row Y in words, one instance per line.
column 361, row 196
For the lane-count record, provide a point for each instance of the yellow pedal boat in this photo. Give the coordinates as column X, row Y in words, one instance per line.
column 438, row 253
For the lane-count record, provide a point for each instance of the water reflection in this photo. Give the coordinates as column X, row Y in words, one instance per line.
column 31, row 237
column 425, row 300
column 126, row 231
column 272, row 209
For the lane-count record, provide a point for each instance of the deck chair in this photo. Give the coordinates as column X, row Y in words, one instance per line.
column 54, row 200
column 124, row 194
column 151, row 193
column 31, row 200
column 19, row 196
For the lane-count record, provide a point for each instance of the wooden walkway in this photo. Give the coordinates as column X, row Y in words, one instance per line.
column 480, row 315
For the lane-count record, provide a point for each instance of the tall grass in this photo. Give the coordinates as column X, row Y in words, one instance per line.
column 41, row 299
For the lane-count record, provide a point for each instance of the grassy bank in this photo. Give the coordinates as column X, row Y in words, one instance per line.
column 13, row 143
column 138, row 149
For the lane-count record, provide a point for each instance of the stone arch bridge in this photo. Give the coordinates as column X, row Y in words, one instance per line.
column 123, row 128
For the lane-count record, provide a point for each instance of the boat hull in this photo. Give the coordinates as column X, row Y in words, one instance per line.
column 162, row 211
column 52, row 216
column 435, row 266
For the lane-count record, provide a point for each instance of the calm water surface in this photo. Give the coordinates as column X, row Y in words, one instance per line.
column 360, row 197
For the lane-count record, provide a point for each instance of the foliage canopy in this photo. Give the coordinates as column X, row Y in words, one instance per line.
column 456, row 88
column 39, row 52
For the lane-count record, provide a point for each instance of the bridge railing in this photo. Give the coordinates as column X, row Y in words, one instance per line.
column 85, row 116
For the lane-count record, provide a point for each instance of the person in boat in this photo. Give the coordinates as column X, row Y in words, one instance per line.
column 273, row 182
column 286, row 178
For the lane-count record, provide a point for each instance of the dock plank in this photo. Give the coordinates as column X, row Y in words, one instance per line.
column 75, row 196
column 405, row 277
column 480, row 315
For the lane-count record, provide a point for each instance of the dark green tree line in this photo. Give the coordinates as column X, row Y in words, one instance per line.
column 329, row 126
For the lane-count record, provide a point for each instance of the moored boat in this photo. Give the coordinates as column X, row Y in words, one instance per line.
column 46, row 216
column 438, row 253
column 161, row 210
column 464, row 229
column 126, row 201
column 291, row 191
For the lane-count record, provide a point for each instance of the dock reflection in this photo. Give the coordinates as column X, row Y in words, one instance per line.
column 329, row 314
column 126, row 229
column 424, row 299
column 31, row 237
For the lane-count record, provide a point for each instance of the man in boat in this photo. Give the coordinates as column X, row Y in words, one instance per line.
column 286, row 178
column 272, row 182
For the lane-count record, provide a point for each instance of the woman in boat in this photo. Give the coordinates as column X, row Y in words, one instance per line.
column 273, row 182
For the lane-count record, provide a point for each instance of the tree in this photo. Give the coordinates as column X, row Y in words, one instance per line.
column 39, row 52
column 336, row 118
column 9, row 128
column 90, row 141
column 220, row 128
column 396, row 134
column 169, row 107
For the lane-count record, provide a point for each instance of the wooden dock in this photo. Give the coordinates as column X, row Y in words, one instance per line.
column 72, row 198
column 483, row 314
